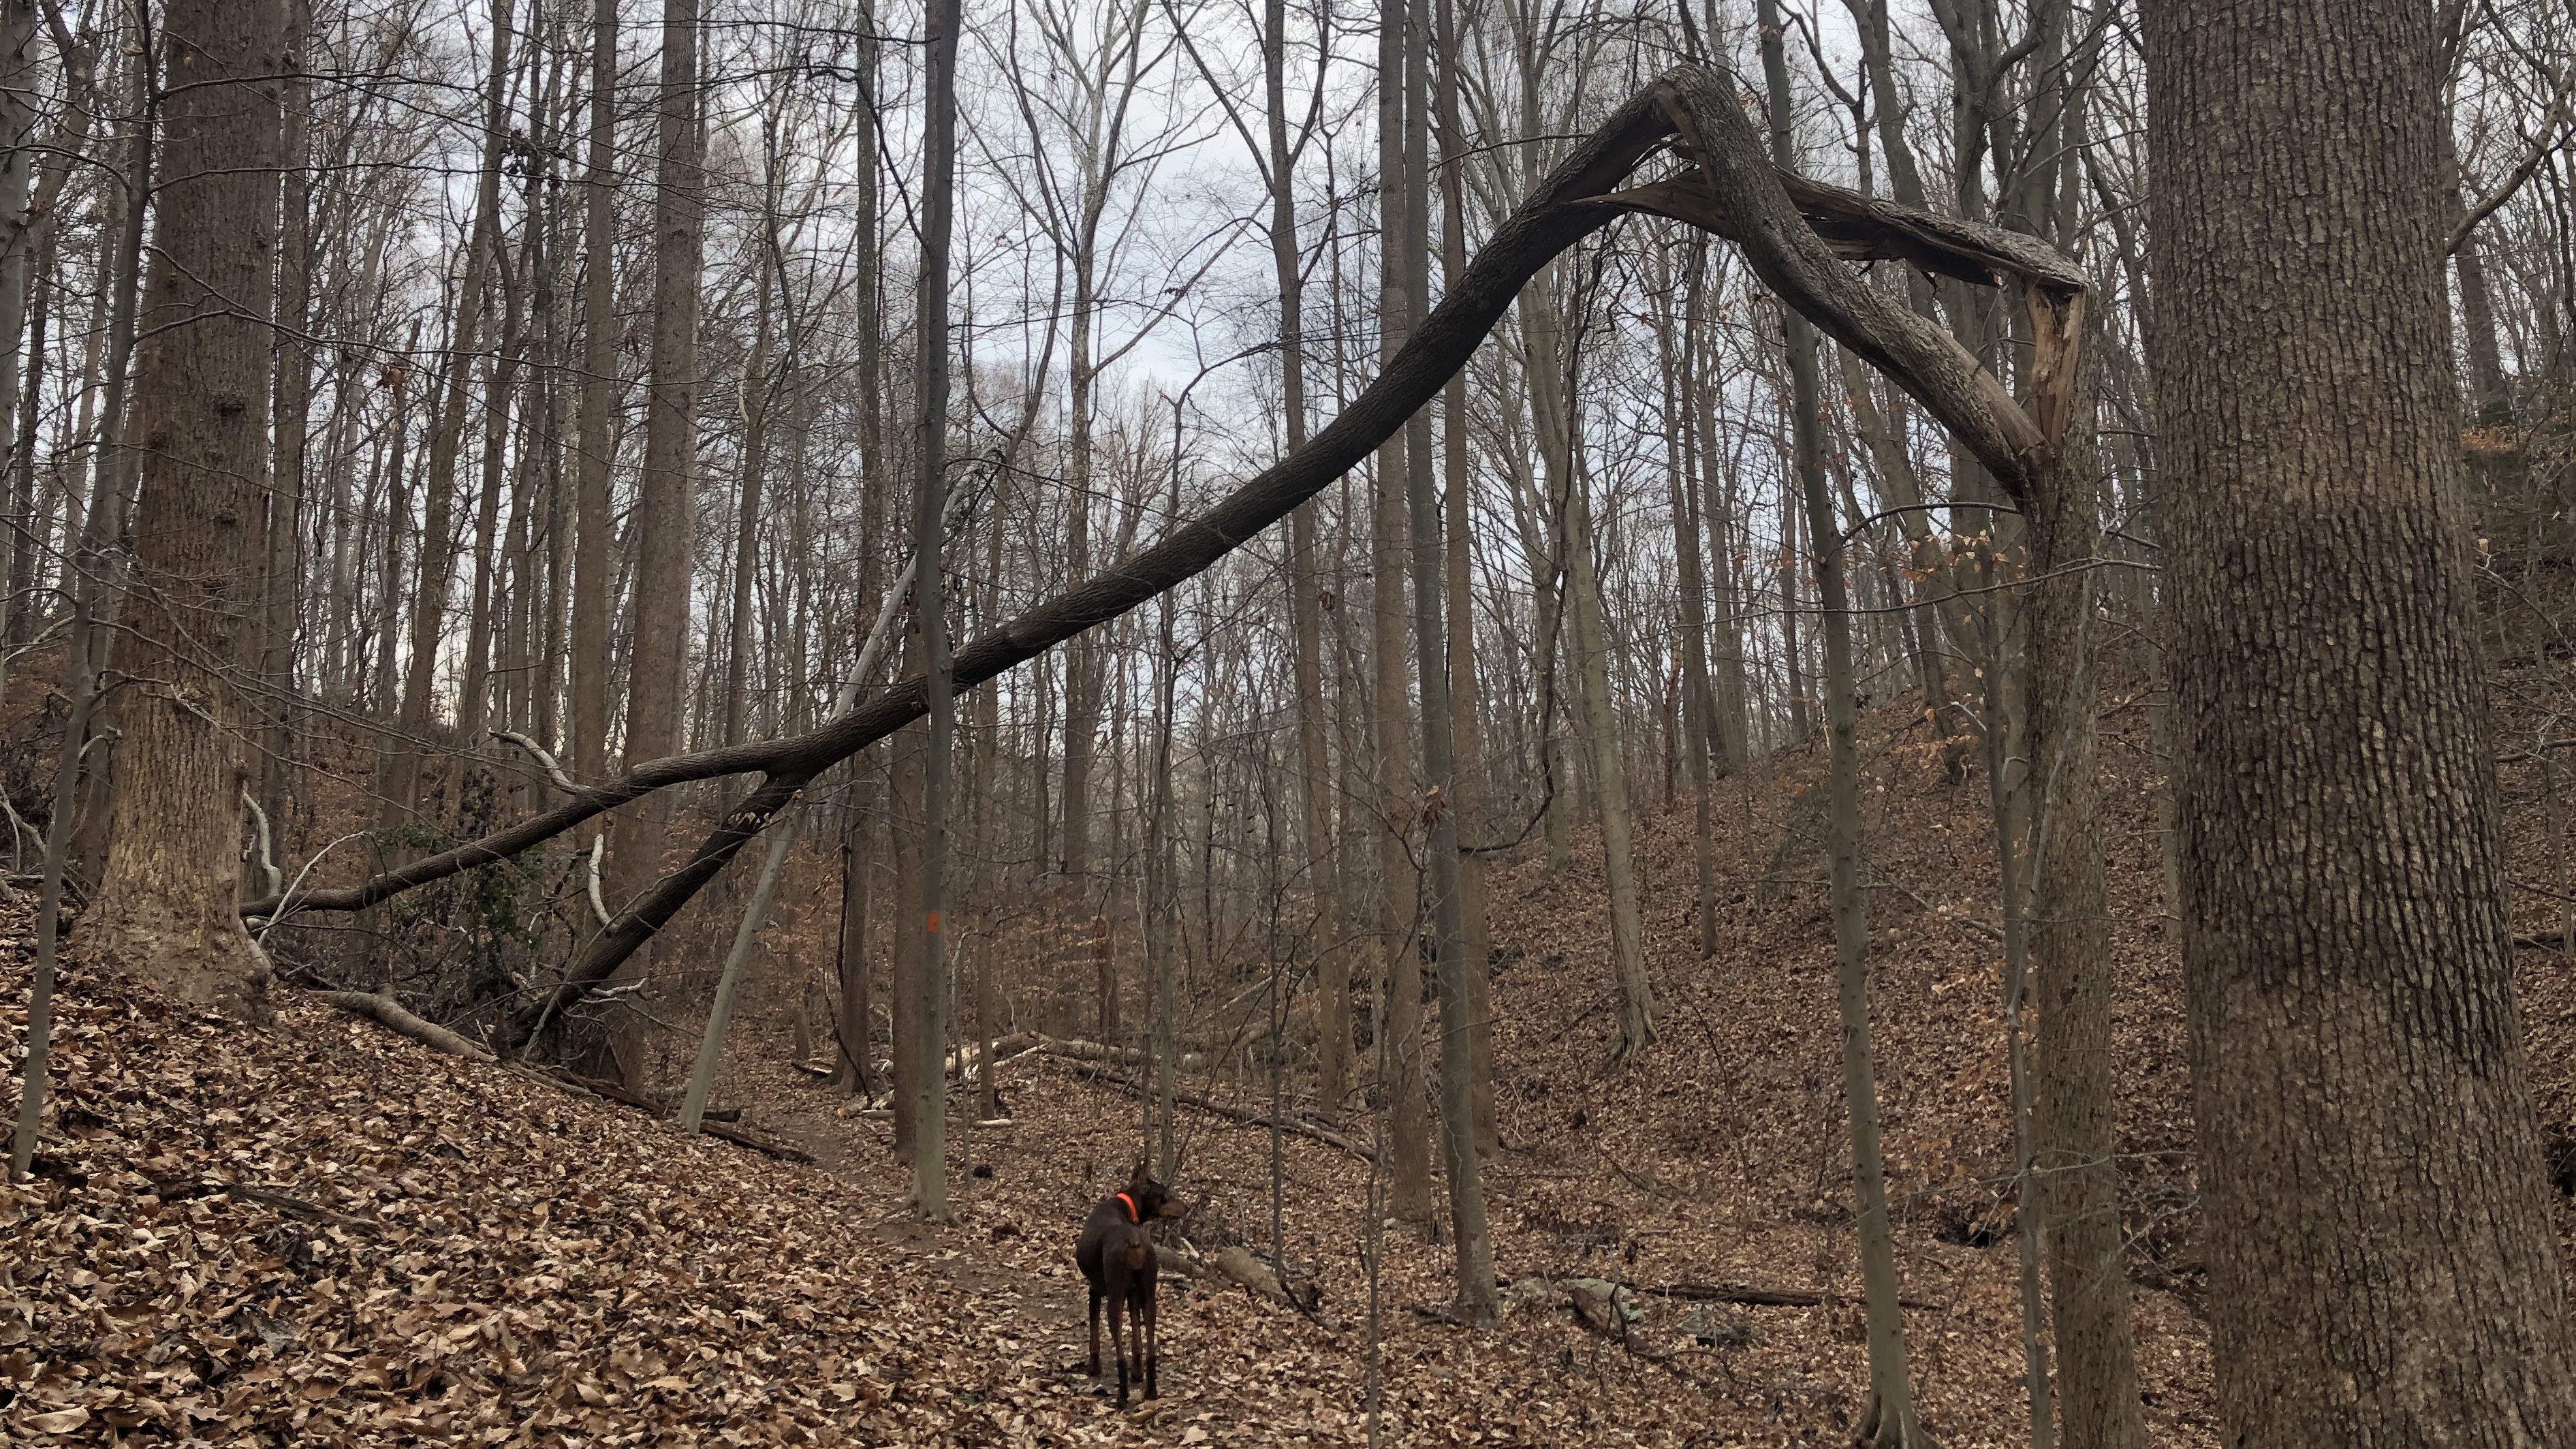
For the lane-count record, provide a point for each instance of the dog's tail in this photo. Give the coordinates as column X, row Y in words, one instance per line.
column 1136, row 1256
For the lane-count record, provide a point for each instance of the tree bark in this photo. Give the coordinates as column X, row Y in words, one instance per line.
column 2382, row 1265
column 282, row 567
column 2074, row 1135
column 591, row 568
column 938, row 190
column 167, row 906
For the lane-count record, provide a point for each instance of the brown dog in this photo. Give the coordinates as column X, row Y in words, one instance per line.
column 1117, row 1257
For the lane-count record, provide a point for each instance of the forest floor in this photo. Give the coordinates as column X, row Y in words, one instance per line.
column 317, row 1232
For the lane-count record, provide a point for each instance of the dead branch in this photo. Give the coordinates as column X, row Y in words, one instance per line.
column 266, row 855
column 554, row 771
column 1763, row 1297
column 180, row 1189
column 563, row 1081
column 1246, row 1116
column 381, row 1008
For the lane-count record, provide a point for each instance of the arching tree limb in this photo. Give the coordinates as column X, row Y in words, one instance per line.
column 1793, row 231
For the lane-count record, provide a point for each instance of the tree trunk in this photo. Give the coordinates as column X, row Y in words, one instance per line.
column 282, row 567
column 1697, row 696
column 592, row 585
column 2382, row 1265
column 2077, row 1168
column 664, row 556
column 1467, row 775
column 755, row 451
column 21, row 78
column 1889, row 1419
column 1589, row 637
column 1402, row 1080
column 658, row 652
column 938, row 191
column 1447, row 913
column 1305, row 596
column 167, row 905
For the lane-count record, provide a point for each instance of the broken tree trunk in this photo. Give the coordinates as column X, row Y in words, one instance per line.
column 1792, row 231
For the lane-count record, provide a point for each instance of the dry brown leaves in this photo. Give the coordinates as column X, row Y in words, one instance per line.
column 320, row 1233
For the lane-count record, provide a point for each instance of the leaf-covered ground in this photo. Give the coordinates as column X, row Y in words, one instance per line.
column 317, row 1232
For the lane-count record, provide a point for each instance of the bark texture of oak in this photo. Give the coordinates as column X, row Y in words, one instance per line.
column 2383, row 1268
column 1792, row 231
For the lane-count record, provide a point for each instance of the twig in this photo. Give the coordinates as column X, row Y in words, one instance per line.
column 180, row 1189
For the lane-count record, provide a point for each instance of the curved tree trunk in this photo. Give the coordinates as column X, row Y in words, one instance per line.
column 2382, row 1265
column 1797, row 236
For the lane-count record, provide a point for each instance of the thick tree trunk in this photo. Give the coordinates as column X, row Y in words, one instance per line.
column 168, row 903
column 2382, row 1265
column 664, row 558
column 657, row 672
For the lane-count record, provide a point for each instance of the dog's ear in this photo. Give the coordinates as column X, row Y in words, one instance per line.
column 1141, row 1178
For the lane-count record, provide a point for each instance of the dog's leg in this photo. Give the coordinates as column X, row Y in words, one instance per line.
column 1136, row 1334
column 1153, row 1343
column 1118, row 1345
column 1093, row 1367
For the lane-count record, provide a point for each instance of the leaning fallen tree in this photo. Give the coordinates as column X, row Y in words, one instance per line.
column 1796, row 234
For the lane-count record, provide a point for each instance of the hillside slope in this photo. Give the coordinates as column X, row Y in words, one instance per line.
column 318, row 1232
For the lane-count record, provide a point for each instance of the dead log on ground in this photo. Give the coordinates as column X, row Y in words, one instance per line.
column 381, row 1008
column 1247, row 1116
column 564, row 1081
column 1763, row 1297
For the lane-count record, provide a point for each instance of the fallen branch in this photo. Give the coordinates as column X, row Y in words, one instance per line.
column 1247, row 1116
column 1238, row 1266
column 1078, row 1050
column 381, row 1008
column 1763, row 1297
column 180, row 1189
column 1792, row 233
column 563, row 1081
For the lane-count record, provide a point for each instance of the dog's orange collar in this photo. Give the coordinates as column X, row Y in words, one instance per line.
column 1133, row 1216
